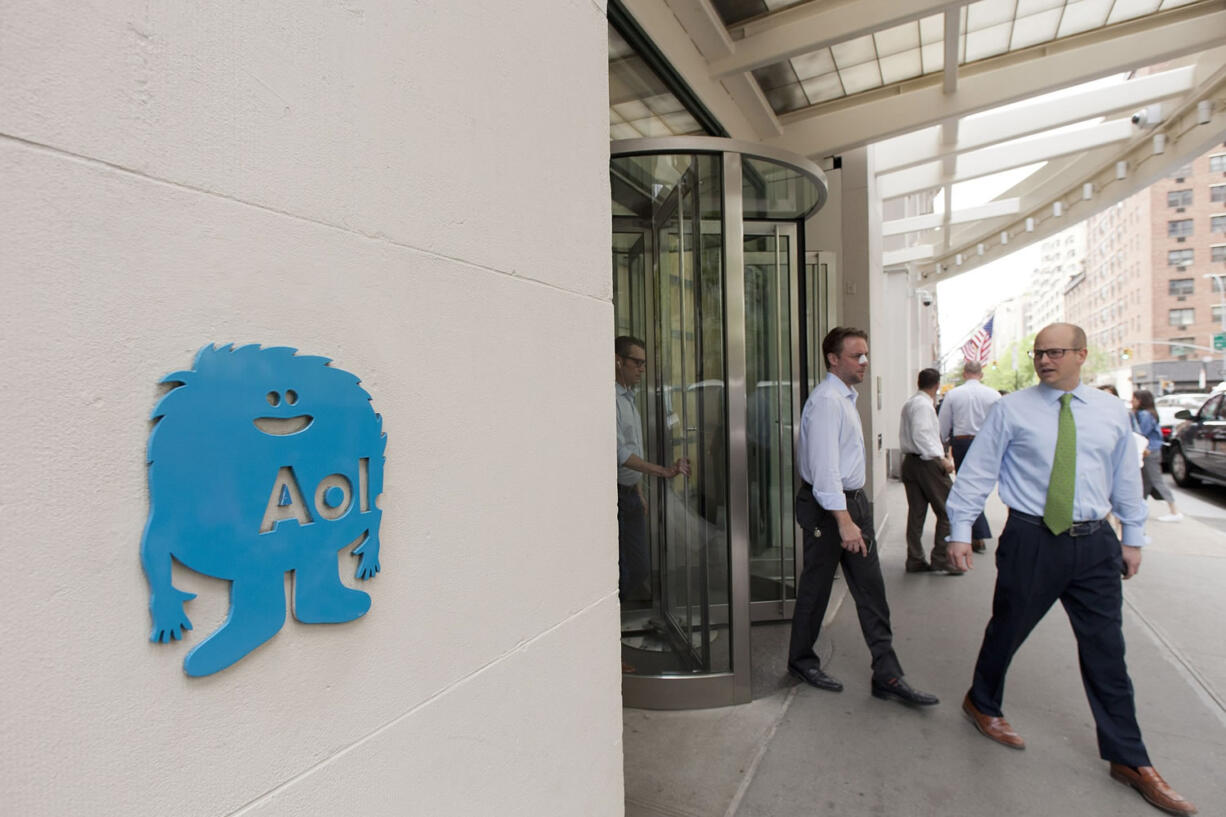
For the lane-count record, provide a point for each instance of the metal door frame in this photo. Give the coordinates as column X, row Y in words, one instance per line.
column 782, row 609
column 734, row 686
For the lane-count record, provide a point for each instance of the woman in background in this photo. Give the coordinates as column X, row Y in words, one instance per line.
column 1145, row 421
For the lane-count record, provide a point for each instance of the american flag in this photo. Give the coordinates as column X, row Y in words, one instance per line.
column 979, row 347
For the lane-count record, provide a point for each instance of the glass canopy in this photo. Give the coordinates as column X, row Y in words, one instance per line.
column 639, row 102
column 987, row 29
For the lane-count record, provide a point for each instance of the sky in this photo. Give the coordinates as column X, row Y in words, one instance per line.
column 962, row 301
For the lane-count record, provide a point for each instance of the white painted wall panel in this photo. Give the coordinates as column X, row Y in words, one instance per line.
column 462, row 128
column 138, row 229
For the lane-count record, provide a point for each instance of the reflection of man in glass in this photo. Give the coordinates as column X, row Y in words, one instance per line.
column 634, row 557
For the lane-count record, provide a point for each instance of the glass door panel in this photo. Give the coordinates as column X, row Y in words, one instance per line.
column 673, row 252
column 770, row 363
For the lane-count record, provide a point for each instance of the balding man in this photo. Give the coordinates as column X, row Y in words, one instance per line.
column 961, row 416
column 1064, row 456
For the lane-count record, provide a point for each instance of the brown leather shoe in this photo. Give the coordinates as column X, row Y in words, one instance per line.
column 998, row 729
column 1153, row 788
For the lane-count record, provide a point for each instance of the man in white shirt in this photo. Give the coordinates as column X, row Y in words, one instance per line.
column 925, row 475
column 834, row 515
column 962, row 415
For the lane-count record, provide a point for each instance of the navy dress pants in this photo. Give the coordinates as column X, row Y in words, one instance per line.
column 1034, row 569
column 633, row 550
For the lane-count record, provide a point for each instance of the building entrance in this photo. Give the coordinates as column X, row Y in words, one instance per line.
column 707, row 272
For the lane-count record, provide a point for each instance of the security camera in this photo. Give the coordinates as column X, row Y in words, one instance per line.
column 1148, row 116
column 925, row 297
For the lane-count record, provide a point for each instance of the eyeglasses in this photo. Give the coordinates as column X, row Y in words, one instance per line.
column 637, row 361
column 1052, row 354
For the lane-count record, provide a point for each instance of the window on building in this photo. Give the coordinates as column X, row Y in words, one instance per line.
column 1182, row 172
column 1181, row 286
column 1182, row 351
column 1180, row 227
column 1217, row 164
column 1179, row 198
column 1217, row 192
column 1179, row 258
column 1217, row 253
column 1216, row 313
column 1182, row 317
column 1217, row 224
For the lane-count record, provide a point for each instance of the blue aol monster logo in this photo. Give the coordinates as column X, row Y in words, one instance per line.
column 261, row 462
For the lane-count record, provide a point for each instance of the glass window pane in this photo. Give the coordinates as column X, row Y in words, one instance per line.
column 775, row 191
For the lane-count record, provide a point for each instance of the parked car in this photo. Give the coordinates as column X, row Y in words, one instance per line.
column 1168, row 405
column 1198, row 445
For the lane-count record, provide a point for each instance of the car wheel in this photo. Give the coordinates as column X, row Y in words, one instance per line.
column 1181, row 471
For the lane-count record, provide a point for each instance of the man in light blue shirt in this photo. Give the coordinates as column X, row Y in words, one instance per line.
column 1064, row 457
column 633, row 552
column 834, row 515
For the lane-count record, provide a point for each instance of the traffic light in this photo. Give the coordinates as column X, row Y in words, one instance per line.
column 1127, row 353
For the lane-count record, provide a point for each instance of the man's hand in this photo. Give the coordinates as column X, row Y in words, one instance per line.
column 959, row 555
column 681, row 466
column 850, row 535
column 947, row 463
column 1132, row 561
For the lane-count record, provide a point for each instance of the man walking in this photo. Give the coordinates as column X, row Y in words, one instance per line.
column 962, row 414
column 925, row 475
column 833, row 512
column 633, row 554
column 1064, row 456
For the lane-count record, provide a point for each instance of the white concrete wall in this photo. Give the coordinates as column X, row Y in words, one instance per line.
column 865, row 304
column 418, row 190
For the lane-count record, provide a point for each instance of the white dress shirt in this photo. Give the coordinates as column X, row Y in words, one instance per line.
column 830, row 452
column 629, row 435
column 965, row 408
column 1018, row 444
column 917, row 431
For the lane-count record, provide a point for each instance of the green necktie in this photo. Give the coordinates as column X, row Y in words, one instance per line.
column 1058, row 513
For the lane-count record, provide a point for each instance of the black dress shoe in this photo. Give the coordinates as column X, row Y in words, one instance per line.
column 900, row 690
column 813, row 676
column 978, row 546
column 923, row 567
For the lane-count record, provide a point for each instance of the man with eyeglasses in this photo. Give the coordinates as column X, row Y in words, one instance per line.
column 834, row 515
column 634, row 555
column 1064, row 456
column 961, row 417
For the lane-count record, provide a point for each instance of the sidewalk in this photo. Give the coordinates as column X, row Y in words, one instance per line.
column 797, row 750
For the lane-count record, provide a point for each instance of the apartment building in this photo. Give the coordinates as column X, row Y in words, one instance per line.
column 1146, row 298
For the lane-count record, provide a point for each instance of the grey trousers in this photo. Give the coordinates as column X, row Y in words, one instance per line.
column 927, row 486
column 1152, row 483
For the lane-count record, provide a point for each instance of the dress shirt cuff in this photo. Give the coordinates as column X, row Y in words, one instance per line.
column 623, row 453
column 1132, row 535
column 960, row 531
column 831, row 502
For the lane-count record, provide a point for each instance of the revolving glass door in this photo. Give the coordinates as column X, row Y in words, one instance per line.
column 705, row 264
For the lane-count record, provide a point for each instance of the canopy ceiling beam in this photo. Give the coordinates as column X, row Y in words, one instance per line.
column 1186, row 134
column 832, row 127
column 1018, row 153
column 1024, row 119
column 993, row 209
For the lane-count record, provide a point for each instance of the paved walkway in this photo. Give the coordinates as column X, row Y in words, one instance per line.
column 798, row 751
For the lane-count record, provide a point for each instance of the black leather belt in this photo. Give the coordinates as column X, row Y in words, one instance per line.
column 807, row 488
column 1078, row 528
